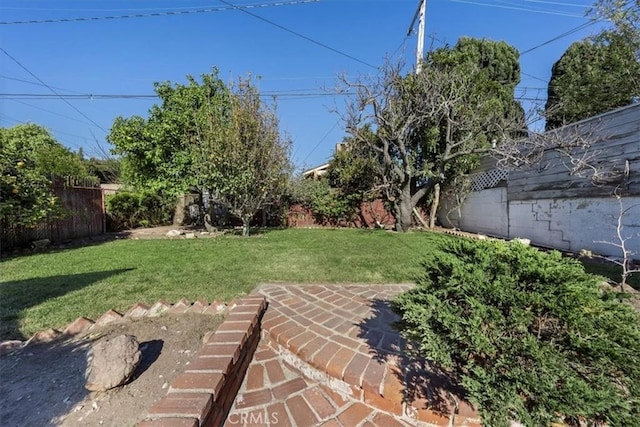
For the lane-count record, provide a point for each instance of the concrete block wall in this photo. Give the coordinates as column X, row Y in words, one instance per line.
column 541, row 221
column 569, row 224
column 485, row 212
column 555, row 207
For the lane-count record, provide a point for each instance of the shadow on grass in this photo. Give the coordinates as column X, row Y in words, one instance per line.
column 423, row 383
column 19, row 295
column 253, row 231
column 80, row 242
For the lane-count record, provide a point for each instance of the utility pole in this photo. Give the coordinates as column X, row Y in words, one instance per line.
column 420, row 15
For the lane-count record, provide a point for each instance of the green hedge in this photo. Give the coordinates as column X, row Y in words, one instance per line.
column 130, row 210
column 529, row 335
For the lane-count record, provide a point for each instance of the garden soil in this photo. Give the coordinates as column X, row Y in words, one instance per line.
column 43, row 384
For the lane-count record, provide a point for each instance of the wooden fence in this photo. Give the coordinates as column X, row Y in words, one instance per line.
column 370, row 215
column 84, row 217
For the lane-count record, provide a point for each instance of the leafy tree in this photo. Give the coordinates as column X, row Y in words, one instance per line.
column 593, row 76
column 353, row 174
column 529, row 335
column 29, row 158
column 327, row 204
column 242, row 157
column 206, row 136
column 624, row 15
column 106, row 170
column 157, row 153
column 430, row 127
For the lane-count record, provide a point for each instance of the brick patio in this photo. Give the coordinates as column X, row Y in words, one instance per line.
column 329, row 356
column 297, row 355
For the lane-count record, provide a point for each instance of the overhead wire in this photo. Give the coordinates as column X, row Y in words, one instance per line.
column 35, row 83
column 533, row 77
column 558, row 3
column 524, row 9
column 49, row 111
column 8, row 118
column 560, row 36
column 300, row 35
column 321, row 140
column 159, row 14
column 574, row 30
column 130, row 9
column 52, row 89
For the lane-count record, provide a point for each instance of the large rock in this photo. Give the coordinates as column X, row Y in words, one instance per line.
column 112, row 362
column 174, row 233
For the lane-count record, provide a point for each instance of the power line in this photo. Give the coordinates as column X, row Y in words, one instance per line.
column 49, row 111
column 524, row 9
column 158, row 14
column 36, row 83
column 120, row 9
column 533, row 77
column 321, row 140
column 557, row 3
column 52, row 90
column 297, row 34
column 573, row 30
column 46, row 96
column 558, row 37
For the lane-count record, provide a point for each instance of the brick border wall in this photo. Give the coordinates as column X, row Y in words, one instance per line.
column 138, row 310
column 203, row 394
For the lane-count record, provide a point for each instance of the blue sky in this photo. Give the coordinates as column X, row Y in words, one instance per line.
column 125, row 56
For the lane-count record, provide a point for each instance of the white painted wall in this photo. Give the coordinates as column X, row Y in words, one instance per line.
column 576, row 224
column 567, row 224
column 482, row 211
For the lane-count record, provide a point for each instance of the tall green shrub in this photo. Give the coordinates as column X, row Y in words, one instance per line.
column 529, row 335
column 129, row 210
column 326, row 203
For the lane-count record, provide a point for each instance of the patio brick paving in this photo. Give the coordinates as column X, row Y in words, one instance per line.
column 329, row 356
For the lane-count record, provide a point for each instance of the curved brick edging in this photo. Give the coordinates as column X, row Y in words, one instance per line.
column 342, row 335
column 205, row 391
column 84, row 324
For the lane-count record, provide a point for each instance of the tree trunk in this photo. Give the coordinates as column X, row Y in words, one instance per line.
column 245, row 226
column 403, row 211
column 434, row 206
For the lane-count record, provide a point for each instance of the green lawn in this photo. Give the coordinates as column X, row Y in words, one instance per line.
column 51, row 289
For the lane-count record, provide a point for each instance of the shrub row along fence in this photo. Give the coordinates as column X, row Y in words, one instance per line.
column 369, row 215
column 84, row 216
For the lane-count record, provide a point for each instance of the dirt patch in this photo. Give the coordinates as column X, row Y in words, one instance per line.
column 43, row 385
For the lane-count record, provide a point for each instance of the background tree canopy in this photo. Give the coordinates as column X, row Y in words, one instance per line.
column 592, row 77
column 29, row 158
column 430, row 127
column 599, row 73
column 156, row 153
column 206, row 136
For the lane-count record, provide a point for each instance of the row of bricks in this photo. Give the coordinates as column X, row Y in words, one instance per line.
column 84, row 324
column 276, row 393
column 309, row 406
column 393, row 402
column 204, row 392
column 375, row 377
